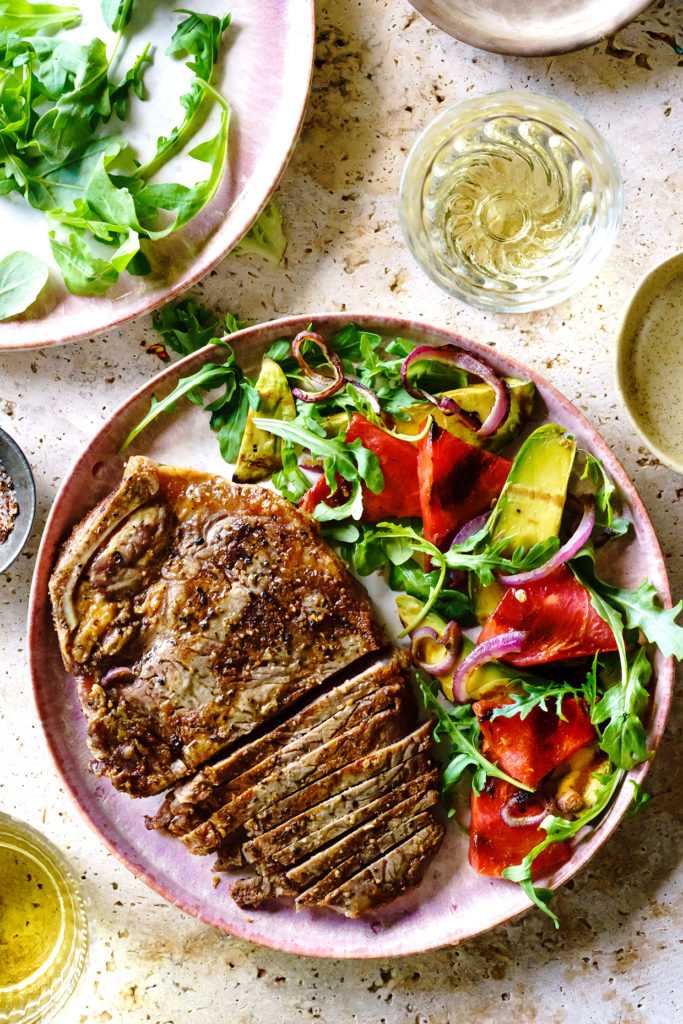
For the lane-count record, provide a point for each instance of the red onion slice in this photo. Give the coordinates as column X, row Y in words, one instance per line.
column 451, row 640
column 507, row 643
column 469, row 529
column 580, row 537
column 328, row 386
column 368, row 393
column 512, row 812
column 451, row 356
column 118, row 675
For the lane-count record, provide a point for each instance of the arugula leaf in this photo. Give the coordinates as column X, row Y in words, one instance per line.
column 344, row 533
column 84, row 273
column 198, row 36
column 228, row 421
column 624, row 738
column 450, row 604
column 188, row 200
column 638, row 800
column 559, row 829
column 606, row 487
column 293, row 483
column 211, row 375
column 351, row 462
column 133, row 82
column 22, row 278
column 460, row 731
column 189, row 326
column 536, row 695
column 642, row 610
column 26, row 19
column 264, row 238
column 117, row 13
column 483, row 557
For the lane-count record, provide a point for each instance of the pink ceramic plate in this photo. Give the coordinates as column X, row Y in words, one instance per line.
column 265, row 75
column 453, row 902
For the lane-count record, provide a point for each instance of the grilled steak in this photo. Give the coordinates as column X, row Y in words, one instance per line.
column 276, row 787
column 342, row 707
column 211, row 633
column 313, row 828
column 363, row 768
column 378, row 834
column 388, row 877
column 329, row 869
column 190, row 610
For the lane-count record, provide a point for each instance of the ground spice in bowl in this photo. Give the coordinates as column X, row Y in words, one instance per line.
column 9, row 508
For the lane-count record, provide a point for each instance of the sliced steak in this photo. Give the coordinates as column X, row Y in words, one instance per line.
column 275, row 788
column 347, row 855
column 180, row 815
column 184, row 805
column 333, row 867
column 389, row 876
column 363, row 768
column 300, row 836
column 191, row 610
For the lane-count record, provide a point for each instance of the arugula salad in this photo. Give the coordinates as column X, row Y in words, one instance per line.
column 423, row 464
column 63, row 150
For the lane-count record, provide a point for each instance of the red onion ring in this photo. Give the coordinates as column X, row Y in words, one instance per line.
column 117, row 675
column 506, row 643
column 515, row 803
column 367, row 393
column 469, row 529
column 328, row 386
column 577, row 540
column 451, row 640
column 455, row 357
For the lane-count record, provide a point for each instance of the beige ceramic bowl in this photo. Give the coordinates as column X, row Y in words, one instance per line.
column 531, row 28
column 649, row 355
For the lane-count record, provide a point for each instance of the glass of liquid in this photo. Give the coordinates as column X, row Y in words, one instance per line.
column 44, row 932
column 511, row 201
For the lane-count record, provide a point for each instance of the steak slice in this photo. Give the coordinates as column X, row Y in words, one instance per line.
column 332, row 867
column 252, row 892
column 190, row 611
column 363, row 768
column 344, row 705
column 306, row 833
column 381, row 729
column 347, row 855
column 389, row 876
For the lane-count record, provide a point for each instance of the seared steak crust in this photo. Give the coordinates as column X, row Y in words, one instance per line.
column 190, row 610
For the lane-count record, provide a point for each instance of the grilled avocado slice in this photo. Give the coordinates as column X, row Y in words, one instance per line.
column 259, row 455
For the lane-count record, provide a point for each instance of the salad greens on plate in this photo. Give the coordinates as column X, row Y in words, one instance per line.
column 472, row 517
column 63, row 112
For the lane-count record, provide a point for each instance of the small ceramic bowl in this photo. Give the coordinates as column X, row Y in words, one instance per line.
column 649, row 354
column 15, row 464
column 534, row 28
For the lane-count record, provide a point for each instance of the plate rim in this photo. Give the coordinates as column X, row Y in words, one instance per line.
column 39, row 601
column 482, row 42
column 26, row 339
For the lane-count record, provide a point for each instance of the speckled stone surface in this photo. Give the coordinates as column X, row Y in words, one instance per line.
column 381, row 73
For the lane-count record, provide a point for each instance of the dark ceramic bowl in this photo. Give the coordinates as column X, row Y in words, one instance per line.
column 15, row 464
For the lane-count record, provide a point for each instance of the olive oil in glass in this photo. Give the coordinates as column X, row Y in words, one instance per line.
column 43, row 926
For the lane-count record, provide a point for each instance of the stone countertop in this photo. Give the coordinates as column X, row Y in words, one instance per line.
column 381, row 73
